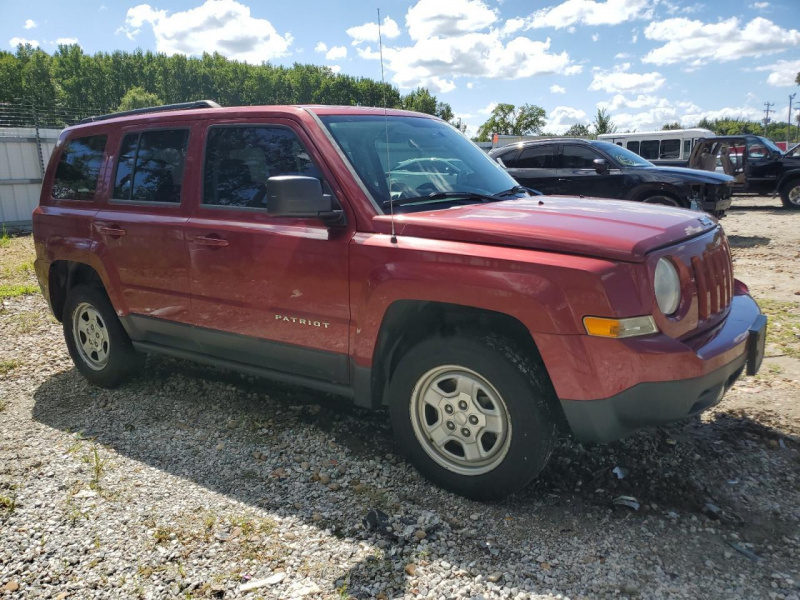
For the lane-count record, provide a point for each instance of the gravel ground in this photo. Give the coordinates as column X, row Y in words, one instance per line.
column 191, row 482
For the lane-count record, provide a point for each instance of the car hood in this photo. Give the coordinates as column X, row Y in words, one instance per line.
column 617, row 230
column 690, row 175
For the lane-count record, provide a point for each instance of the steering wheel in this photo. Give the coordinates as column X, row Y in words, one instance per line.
column 427, row 188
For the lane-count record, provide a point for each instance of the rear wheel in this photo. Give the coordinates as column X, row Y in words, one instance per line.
column 97, row 342
column 790, row 194
column 474, row 415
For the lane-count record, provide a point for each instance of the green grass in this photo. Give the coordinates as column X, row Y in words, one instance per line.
column 7, row 505
column 5, row 239
column 12, row 290
column 783, row 329
column 7, row 366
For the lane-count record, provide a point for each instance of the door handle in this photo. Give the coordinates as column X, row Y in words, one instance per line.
column 213, row 242
column 113, row 231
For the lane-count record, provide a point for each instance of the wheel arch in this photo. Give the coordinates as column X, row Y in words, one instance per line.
column 407, row 322
column 641, row 193
column 65, row 275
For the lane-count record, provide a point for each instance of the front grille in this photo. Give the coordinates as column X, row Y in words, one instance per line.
column 713, row 277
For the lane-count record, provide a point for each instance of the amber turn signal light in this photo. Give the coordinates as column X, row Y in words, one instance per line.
column 619, row 328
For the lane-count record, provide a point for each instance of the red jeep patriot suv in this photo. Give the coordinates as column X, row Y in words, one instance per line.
column 383, row 256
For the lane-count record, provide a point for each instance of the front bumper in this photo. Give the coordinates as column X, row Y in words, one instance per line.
column 739, row 339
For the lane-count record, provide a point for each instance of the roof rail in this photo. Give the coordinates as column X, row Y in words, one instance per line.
column 153, row 109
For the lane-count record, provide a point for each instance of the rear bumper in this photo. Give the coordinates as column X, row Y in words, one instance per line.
column 738, row 342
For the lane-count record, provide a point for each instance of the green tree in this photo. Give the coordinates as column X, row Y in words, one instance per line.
column 671, row 126
column 138, row 97
column 507, row 119
column 603, row 123
column 420, row 100
column 578, row 130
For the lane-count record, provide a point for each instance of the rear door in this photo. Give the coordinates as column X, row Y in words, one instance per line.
column 139, row 230
column 534, row 167
column 577, row 175
column 267, row 291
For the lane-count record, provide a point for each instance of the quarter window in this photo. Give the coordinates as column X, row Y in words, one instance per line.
column 649, row 149
column 578, row 157
column 79, row 168
column 670, row 149
column 240, row 160
column 150, row 166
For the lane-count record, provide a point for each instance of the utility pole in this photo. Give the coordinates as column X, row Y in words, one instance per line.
column 789, row 128
column 767, row 109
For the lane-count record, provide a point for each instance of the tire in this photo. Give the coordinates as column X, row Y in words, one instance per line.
column 663, row 200
column 100, row 348
column 790, row 194
column 500, row 384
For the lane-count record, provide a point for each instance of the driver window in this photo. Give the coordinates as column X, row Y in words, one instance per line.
column 756, row 149
column 578, row 157
column 240, row 160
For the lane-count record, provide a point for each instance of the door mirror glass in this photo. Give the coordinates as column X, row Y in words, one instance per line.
column 600, row 165
column 298, row 196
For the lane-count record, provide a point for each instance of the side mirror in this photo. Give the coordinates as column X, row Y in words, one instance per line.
column 301, row 197
column 600, row 166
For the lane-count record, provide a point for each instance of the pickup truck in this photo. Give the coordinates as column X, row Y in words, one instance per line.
column 277, row 241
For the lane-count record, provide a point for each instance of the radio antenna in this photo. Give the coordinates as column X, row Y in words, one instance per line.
column 386, row 127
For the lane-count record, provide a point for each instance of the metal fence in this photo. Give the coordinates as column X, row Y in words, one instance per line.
column 28, row 135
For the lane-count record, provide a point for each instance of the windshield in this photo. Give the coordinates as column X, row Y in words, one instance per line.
column 423, row 157
column 622, row 155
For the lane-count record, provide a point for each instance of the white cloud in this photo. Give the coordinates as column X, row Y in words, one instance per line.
column 591, row 12
column 749, row 113
column 368, row 32
column 595, row 37
column 16, row 41
column 102, row 8
column 223, row 26
column 30, row 24
column 759, row 5
column 335, row 68
column 562, row 118
column 573, row 70
column 557, row 89
column 783, row 72
column 429, row 18
column 66, row 41
column 621, row 80
column 695, row 43
column 336, row 53
column 512, row 26
column 622, row 56
column 321, row 47
column 488, row 109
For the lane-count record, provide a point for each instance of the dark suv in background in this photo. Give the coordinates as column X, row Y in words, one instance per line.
column 756, row 163
column 576, row 167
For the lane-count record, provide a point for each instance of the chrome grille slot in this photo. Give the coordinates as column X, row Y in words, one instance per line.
column 713, row 277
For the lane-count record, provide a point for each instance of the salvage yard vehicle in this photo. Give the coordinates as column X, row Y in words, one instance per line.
column 269, row 240
column 757, row 165
column 577, row 167
column 666, row 148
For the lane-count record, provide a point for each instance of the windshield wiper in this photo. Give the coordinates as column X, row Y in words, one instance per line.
column 443, row 196
column 517, row 189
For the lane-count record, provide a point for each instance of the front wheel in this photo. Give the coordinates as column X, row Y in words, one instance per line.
column 663, row 201
column 790, row 194
column 474, row 415
column 97, row 342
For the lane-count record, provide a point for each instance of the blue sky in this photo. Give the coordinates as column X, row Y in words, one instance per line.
column 647, row 61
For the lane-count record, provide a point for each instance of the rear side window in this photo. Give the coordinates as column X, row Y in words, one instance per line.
column 79, row 168
column 670, row 149
column 649, row 149
column 687, row 148
column 239, row 160
column 633, row 147
column 150, row 166
column 538, row 157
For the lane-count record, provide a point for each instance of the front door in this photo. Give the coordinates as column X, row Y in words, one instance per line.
column 267, row 291
column 761, row 167
column 534, row 167
column 578, row 176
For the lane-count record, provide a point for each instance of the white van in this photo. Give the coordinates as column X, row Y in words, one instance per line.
column 666, row 148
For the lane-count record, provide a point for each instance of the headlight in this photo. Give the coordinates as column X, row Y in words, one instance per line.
column 667, row 286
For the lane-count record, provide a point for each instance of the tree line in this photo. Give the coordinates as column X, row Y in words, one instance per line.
column 106, row 82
